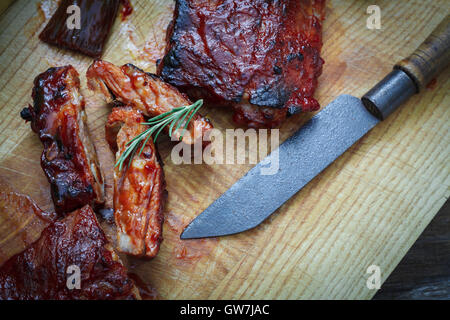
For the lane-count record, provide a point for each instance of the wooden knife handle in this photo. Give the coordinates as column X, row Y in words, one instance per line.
column 431, row 57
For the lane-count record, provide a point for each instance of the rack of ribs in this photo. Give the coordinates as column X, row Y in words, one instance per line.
column 260, row 57
column 139, row 188
column 146, row 92
column 69, row 159
column 42, row 271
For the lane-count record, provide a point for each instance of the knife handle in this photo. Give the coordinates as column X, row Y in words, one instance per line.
column 431, row 57
column 411, row 74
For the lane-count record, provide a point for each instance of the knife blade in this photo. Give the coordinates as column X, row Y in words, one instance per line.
column 319, row 142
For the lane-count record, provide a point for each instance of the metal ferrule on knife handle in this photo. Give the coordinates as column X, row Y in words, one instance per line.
column 411, row 74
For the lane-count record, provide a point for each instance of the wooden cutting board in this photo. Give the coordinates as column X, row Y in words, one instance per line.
column 367, row 208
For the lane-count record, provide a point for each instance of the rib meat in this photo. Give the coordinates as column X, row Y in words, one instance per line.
column 41, row 271
column 139, row 188
column 69, row 159
column 143, row 91
column 96, row 19
column 260, row 57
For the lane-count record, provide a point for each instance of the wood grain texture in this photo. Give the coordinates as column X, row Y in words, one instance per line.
column 424, row 272
column 4, row 4
column 367, row 208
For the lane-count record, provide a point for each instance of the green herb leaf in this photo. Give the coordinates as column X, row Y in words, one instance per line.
column 173, row 118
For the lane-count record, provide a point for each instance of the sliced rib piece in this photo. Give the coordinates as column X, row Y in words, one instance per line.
column 247, row 54
column 69, row 159
column 144, row 91
column 42, row 270
column 139, row 188
column 96, row 19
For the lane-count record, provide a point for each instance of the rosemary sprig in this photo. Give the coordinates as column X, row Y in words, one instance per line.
column 173, row 118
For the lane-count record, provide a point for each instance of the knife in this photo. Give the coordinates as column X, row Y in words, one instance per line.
column 320, row 141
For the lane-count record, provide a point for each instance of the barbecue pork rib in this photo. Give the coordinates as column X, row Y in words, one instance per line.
column 145, row 92
column 260, row 57
column 96, row 19
column 41, row 271
column 69, row 159
column 139, row 188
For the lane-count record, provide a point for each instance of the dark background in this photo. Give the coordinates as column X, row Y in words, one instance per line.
column 424, row 272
